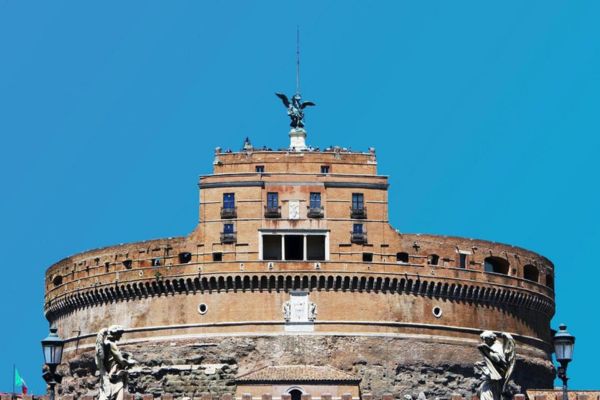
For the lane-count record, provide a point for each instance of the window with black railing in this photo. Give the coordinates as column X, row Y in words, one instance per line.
column 315, row 209
column 272, row 209
column 228, row 235
column 228, row 210
column 358, row 234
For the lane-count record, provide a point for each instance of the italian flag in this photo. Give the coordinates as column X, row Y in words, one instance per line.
column 20, row 382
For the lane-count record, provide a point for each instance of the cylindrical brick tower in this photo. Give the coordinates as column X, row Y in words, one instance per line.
column 294, row 263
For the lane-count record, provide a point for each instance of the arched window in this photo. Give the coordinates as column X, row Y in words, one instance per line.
column 496, row 265
column 402, row 257
column 550, row 281
column 433, row 259
column 531, row 273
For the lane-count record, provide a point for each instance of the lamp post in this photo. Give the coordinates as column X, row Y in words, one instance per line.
column 53, row 349
column 563, row 351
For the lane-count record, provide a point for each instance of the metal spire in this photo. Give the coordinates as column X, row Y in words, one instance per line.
column 297, row 59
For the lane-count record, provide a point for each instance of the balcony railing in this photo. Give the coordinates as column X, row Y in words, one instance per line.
column 228, row 237
column 360, row 238
column 228, row 212
column 273, row 212
column 315, row 212
column 358, row 213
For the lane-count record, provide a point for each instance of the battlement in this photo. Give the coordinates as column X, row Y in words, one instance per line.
column 332, row 161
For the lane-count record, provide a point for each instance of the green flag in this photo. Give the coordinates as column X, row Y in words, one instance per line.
column 20, row 382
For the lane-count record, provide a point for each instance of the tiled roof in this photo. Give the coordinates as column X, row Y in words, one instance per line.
column 296, row 373
column 557, row 394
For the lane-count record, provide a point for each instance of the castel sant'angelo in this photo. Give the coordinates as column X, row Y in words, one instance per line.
column 294, row 283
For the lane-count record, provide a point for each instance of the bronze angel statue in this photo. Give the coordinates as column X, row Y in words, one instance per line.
column 295, row 108
column 498, row 363
column 112, row 364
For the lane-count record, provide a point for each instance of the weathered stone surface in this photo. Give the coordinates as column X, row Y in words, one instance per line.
column 401, row 366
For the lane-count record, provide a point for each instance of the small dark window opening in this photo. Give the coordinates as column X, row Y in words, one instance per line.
column 156, row 262
column 107, row 267
column 202, row 308
column 550, row 281
column 127, row 263
column 402, row 257
column 434, row 259
column 217, row 256
column 324, row 169
column 260, row 168
column 462, row 260
column 357, row 228
column 367, row 257
column 294, row 247
column 531, row 273
column 57, row 280
column 185, row 257
column 496, row 265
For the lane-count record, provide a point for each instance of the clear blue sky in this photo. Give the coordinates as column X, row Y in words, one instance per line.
column 485, row 115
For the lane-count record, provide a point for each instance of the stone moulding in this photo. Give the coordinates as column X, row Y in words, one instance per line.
column 433, row 288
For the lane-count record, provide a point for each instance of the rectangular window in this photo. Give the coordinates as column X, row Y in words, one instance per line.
column 357, row 228
column 315, row 200
column 358, row 201
column 367, row 257
column 271, row 247
column 217, row 256
column 228, row 200
column 315, row 247
column 324, row 169
column 272, row 200
column 227, row 228
column 260, row 168
column 294, row 247
column 462, row 260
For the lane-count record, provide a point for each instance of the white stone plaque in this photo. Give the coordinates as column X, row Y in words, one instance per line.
column 299, row 313
column 294, row 209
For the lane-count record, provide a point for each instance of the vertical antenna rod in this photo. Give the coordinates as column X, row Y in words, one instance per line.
column 297, row 59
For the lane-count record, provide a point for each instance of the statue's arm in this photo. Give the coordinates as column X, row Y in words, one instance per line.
column 119, row 358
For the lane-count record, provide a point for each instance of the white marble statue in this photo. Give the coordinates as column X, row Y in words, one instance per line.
column 312, row 311
column 497, row 365
column 287, row 311
column 112, row 364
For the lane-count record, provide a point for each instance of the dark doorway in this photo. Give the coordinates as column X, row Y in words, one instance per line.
column 294, row 247
column 296, row 394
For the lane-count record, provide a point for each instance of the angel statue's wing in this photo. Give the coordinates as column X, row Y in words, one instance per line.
column 283, row 97
column 100, row 350
column 307, row 104
column 510, row 355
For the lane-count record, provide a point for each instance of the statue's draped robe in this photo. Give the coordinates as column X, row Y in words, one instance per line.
column 495, row 368
column 113, row 382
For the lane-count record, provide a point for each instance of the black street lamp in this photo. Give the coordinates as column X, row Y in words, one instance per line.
column 53, row 349
column 563, row 351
